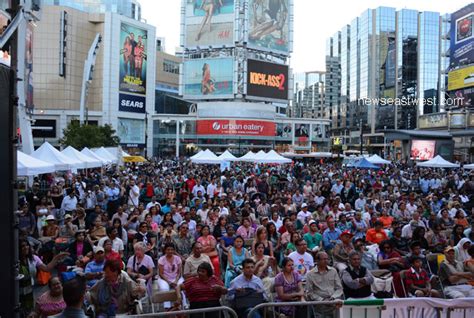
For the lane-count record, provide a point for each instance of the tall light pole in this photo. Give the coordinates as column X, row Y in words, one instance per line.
column 385, row 142
column 361, row 138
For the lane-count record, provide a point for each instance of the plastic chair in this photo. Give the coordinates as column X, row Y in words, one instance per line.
column 435, row 257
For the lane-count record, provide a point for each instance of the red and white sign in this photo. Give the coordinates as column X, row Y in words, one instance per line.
column 236, row 127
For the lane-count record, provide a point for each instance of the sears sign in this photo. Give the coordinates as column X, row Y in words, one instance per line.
column 132, row 103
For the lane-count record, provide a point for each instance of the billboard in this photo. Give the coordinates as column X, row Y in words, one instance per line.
column 236, row 127
column 209, row 78
column 29, row 68
column 284, row 130
column 302, row 135
column 462, row 39
column 318, row 131
column 133, row 59
column 209, row 23
column 131, row 131
column 267, row 80
column 422, row 149
column 132, row 103
column 269, row 25
column 461, row 78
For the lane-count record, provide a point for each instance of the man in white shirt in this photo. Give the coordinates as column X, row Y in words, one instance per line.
column 360, row 202
column 337, row 187
column 223, row 209
column 153, row 202
column 69, row 203
column 303, row 214
column 117, row 243
column 121, row 215
column 302, row 261
column 198, row 187
column 133, row 194
column 211, row 188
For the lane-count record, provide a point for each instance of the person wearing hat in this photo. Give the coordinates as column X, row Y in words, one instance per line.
column 95, row 268
column 454, row 276
column 304, row 214
column 50, row 231
column 67, row 230
column 342, row 250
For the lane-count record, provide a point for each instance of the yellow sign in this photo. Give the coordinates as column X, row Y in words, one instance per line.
column 134, row 159
column 337, row 141
column 461, row 78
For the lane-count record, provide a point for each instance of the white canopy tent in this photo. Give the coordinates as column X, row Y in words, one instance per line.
column 86, row 151
column 207, row 157
column 102, row 152
column 471, row 166
column 197, row 155
column 437, row 162
column 259, row 156
column 30, row 166
column 51, row 155
column 88, row 161
column 377, row 160
column 227, row 156
column 249, row 156
column 273, row 157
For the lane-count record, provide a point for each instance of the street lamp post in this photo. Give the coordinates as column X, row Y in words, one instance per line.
column 361, row 138
column 385, row 142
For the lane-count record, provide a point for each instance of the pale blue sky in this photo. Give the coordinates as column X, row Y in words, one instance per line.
column 315, row 21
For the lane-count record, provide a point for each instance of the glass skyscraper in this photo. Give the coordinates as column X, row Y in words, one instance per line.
column 388, row 55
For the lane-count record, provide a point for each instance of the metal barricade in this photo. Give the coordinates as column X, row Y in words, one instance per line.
column 223, row 312
column 305, row 309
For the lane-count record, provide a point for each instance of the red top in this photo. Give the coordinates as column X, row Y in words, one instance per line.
column 197, row 290
column 373, row 236
column 113, row 255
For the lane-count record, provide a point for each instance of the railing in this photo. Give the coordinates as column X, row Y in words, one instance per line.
column 268, row 309
column 222, row 311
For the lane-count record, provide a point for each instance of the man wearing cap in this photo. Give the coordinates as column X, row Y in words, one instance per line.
column 304, row 214
column 95, row 269
column 454, row 276
column 68, row 229
column 341, row 251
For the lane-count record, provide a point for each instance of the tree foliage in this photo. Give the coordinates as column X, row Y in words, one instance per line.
column 90, row 136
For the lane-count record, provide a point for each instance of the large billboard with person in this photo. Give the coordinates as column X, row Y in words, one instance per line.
column 422, row 149
column 267, row 80
column 133, row 59
column 270, row 25
column 208, row 78
column 208, row 23
column 462, row 38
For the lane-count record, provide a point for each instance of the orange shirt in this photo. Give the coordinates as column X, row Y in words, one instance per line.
column 386, row 220
column 375, row 237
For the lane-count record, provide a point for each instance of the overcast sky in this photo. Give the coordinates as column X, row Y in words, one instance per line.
column 315, row 21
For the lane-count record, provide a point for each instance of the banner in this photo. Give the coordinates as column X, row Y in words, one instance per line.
column 461, row 51
column 302, row 135
column 461, row 78
column 284, row 130
column 132, row 103
column 269, row 25
column 422, row 149
column 209, row 78
column 133, row 59
column 236, row 127
column 267, row 80
column 131, row 131
column 209, row 23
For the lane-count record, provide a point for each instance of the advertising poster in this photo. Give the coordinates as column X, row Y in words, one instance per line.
column 422, row 149
column 318, row 131
column 267, row 80
column 208, row 78
column 302, row 135
column 131, row 131
column 269, row 25
column 209, row 23
column 132, row 103
column 283, row 130
column 29, row 68
column 461, row 78
column 462, row 38
column 133, row 59
column 5, row 58
column 236, row 127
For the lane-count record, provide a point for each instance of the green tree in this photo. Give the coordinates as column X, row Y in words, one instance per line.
column 90, row 136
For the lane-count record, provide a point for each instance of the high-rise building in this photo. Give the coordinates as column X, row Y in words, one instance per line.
column 392, row 67
column 120, row 88
column 308, row 95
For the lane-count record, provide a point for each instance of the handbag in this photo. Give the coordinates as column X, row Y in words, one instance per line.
column 42, row 277
column 143, row 270
column 248, row 298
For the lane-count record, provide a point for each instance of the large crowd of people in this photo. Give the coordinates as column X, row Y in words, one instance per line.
column 246, row 235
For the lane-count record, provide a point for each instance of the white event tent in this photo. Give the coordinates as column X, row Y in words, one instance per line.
column 86, row 151
column 249, row 156
column 437, row 162
column 273, row 157
column 88, row 161
column 206, row 157
column 30, row 166
column 51, row 155
column 227, row 156
column 471, row 166
column 102, row 152
column 377, row 160
column 259, row 156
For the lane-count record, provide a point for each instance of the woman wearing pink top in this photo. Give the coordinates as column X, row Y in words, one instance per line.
column 209, row 243
column 51, row 302
column 246, row 230
column 169, row 270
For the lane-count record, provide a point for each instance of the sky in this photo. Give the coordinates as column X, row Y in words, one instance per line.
column 314, row 22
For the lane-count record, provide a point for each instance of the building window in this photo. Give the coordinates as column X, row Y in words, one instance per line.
column 170, row 67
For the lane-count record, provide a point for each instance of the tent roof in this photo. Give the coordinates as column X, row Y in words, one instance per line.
column 273, row 157
column 87, row 161
column 30, row 166
column 376, row 159
column 50, row 154
column 207, row 157
column 102, row 152
column 227, row 156
column 471, row 166
column 249, row 156
column 197, row 155
column 86, row 151
column 362, row 163
column 437, row 162
column 260, row 155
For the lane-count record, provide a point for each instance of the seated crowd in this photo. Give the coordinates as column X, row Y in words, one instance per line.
column 244, row 236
